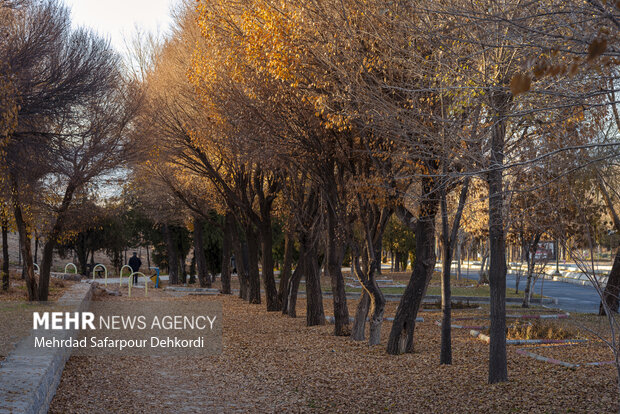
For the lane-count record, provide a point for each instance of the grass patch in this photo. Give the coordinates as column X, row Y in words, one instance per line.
column 538, row 329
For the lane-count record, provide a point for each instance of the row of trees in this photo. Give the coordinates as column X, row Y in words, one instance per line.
column 330, row 120
column 337, row 116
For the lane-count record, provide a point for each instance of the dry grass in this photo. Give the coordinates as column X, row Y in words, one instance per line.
column 272, row 363
column 539, row 329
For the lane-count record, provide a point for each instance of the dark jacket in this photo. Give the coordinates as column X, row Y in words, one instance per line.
column 135, row 263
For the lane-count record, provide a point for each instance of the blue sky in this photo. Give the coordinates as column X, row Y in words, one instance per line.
column 117, row 19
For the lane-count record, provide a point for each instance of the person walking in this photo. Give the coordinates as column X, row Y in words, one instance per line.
column 135, row 263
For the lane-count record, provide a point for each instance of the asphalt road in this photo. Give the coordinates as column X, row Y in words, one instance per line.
column 571, row 298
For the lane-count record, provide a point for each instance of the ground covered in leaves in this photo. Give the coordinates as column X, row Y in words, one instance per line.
column 18, row 292
column 14, row 306
column 272, row 363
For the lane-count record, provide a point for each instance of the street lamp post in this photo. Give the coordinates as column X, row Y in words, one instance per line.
column 557, row 259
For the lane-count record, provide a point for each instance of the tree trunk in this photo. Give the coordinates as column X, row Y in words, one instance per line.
column 498, row 371
column 182, row 267
column 528, row 283
column 226, row 247
column 285, row 272
column 50, row 244
column 82, row 254
column 199, row 254
column 315, row 315
column 612, row 289
column 5, row 255
column 336, row 248
column 271, row 292
column 459, row 258
column 484, row 274
column 253, row 272
column 518, row 275
column 293, row 288
column 401, row 335
column 26, row 251
column 377, row 306
column 445, row 356
column 92, row 259
column 530, row 255
column 173, row 256
column 376, row 301
column 148, row 257
column 526, row 292
column 379, row 252
column 46, row 264
column 451, row 240
column 36, row 250
column 240, row 247
column 243, row 266
column 359, row 323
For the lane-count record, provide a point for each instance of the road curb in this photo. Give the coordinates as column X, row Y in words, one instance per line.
column 438, row 323
column 330, row 319
column 558, row 362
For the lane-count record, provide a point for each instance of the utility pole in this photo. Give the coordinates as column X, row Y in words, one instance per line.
column 557, row 258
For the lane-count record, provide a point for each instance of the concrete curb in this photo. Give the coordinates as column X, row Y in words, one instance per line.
column 192, row 291
column 563, row 363
column 438, row 323
column 558, row 316
column 66, row 276
column 539, row 316
column 330, row 319
column 28, row 382
column 487, row 339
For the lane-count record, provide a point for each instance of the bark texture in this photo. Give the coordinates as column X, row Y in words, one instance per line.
column 199, row 254
column 285, row 273
column 612, row 290
column 226, row 249
column 401, row 335
column 336, row 247
column 173, row 255
column 5, row 255
column 252, row 271
column 498, row 371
